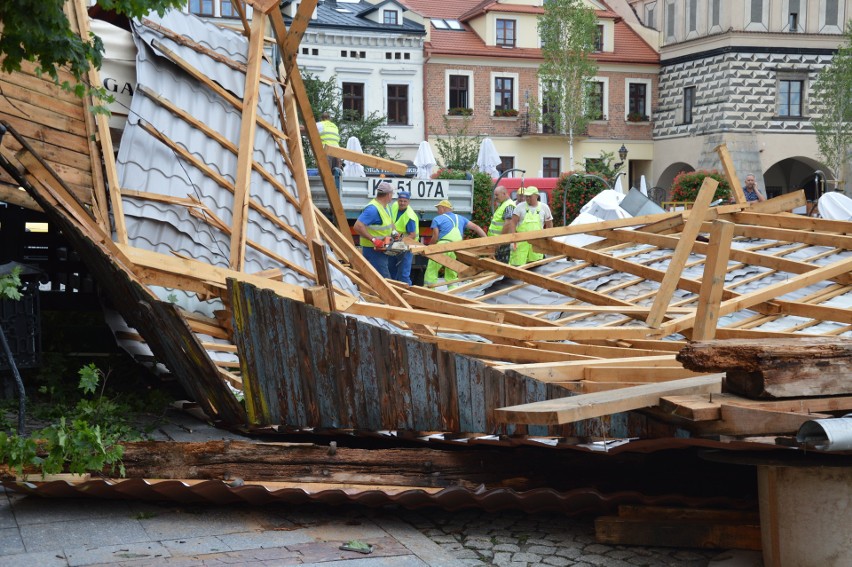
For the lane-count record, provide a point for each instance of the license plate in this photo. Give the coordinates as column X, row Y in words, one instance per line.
column 435, row 189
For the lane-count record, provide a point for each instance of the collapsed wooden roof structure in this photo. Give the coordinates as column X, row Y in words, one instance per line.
column 204, row 238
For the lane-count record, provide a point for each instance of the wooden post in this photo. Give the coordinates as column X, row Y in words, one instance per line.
column 320, row 258
column 730, row 173
column 713, row 282
column 682, row 251
column 245, row 158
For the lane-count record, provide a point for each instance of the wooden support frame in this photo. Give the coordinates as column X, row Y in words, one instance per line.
column 730, row 172
column 713, row 282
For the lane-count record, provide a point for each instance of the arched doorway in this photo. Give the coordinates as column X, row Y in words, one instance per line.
column 796, row 173
column 666, row 179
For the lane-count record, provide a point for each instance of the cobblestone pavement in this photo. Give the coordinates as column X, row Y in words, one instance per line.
column 520, row 540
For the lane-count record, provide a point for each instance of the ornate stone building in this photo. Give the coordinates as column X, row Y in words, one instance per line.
column 741, row 72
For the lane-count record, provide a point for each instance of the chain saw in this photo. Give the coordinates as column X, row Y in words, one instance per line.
column 392, row 245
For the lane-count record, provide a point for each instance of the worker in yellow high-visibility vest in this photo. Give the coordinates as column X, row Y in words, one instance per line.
column 406, row 223
column 500, row 220
column 528, row 216
column 330, row 135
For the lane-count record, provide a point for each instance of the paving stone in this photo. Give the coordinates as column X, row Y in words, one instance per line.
column 466, row 554
column 487, row 553
column 443, row 538
column 525, row 557
column 196, row 546
column 688, row 556
column 505, row 538
column 593, row 559
column 537, row 539
column 454, row 546
column 41, row 559
column 558, row 561
column 472, row 562
column 620, row 554
column 569, row 552
column 542, row 549
column 502, row 557
column 598, row 549
column 10, row 541
column 507, row 547
column 478, row 543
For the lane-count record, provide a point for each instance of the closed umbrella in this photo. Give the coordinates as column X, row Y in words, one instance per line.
column 618, row 186
column 424, row 160
column 352, row 168
column 643, row 186
column 488, row 158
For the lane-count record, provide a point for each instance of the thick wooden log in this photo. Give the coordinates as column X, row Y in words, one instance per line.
column 776, row 368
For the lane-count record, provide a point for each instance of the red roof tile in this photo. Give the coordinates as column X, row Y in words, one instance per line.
column 431, row 9
column 629, row 48
column 468, row 43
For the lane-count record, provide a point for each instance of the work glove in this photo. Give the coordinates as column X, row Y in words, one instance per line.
column 379, row 243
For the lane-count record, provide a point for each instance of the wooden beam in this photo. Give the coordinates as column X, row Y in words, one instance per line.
column 205, row 80
column 636, row 374
column 682, row 252
column 248, row 126
column 545, row 282
column 19, row 197
column 794, row 222
column 507, row 353
column 713, row 282
column 323, row 272
column 730, row 173
column 586, row 406
column 288, row 41
column 367, row 159
column 576, row 370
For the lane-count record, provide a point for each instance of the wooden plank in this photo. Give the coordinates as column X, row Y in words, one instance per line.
column 367, row 159
column 634, row 374
column 694, row 408
column 545, row 282
column 248, row 125
column 743, row 420
column 203, row 79
column 793, row 222
column 576, row 370
column 487, row 329
column 506, row 353
column 682, row 252
column 300, row 171
column 730, row 173
column 288, row 41
column 323, row 277
column 713, row 282
column 204, row 271
column 677, row 532
column 16, row 196
column 586, row 406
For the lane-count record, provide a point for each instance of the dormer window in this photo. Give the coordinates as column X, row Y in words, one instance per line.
column 390, row 17
column 506, row 35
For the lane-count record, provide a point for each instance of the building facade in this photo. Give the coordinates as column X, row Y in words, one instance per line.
column 481, row 69
column 741, row 72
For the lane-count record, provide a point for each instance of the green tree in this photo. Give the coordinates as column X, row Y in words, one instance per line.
column 833, row 104
column 325, row 96
column 39, row 31
column 458, row 148
column 567, row 30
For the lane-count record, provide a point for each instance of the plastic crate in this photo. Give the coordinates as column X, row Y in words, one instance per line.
column 21, row 323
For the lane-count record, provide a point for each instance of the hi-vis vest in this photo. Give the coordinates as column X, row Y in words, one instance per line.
column 455, row 234
column 532, row 219
column 378, row 230
column 497, row 220
column 330, row 135
column 401, row 222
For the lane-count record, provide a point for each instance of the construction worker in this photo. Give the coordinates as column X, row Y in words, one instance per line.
column 374, row 226
column 503, row 209
column 406, row 224
column 330, row 136
column 447, row 227
column 528, row 216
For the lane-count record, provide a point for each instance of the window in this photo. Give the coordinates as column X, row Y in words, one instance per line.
column 688, row 104
column 790, row 98
column 793, row 10
column 599, row 39
column 715, row 12
column 637, row 100
column 390, row 17
column 506, row 33
column 459, row 91
column 504, row 88
column 831, row 12
column 670, row 21
column 756, row 12
column 227, row 10
column 353, row 100
column 692, row 18
column 398, row 104
column 651, row 15
column 596, row 100
column 507, row 163
column 551, row 166
column 201, row 7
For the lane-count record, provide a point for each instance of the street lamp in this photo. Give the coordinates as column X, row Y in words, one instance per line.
column 622, row 154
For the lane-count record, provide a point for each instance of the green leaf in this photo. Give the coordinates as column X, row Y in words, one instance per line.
column 90, row 376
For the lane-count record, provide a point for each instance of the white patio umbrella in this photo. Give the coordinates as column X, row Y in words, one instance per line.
column 643, row 186
column 351, row 168
column 619, row 187
column 488, row 158
column 424, row 160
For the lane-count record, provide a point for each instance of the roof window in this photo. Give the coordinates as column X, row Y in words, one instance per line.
column 447, row 25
